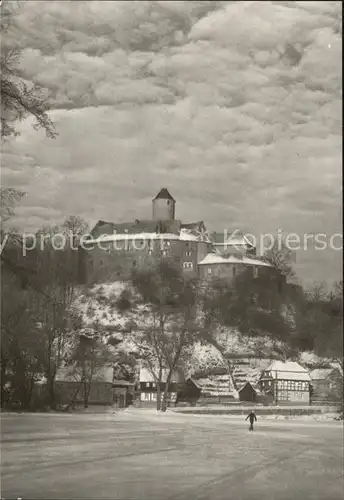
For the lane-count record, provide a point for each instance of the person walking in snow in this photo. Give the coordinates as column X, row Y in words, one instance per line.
column 252, row 417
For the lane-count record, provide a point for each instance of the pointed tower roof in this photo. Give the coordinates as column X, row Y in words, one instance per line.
column 164, row 194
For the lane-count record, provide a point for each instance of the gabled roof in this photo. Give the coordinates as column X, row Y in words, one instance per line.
column 193, row 226
column 231, row 238
column 256, row 389
column 194, row 381
column 146, row 376
column 216, row 385
column 289, row 370
column 286, row 366
column 136, row 227
column 164, row 194
column 215, row 258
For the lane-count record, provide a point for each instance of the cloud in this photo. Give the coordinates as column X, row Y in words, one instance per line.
column 235, row 106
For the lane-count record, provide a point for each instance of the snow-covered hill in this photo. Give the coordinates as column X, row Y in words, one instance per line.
column 118, row 310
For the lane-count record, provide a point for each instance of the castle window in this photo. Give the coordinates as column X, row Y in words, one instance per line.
column 101, row 262
column 209, row 270
column 234, row 271
column 188, row 253
column 255, row 272
column 187, row 265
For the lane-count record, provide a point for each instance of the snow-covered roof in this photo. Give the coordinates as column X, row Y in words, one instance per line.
column 288, row 370
column 132, row 236
column 286, row 366
column 184, row 235
column 214, row 258
column 249, row 371
column 146, row 376
column 198, row 234
column 187, row 235
column 214, row 386
column 321, row 373
column 254, row 262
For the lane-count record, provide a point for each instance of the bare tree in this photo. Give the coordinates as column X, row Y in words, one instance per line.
column 282, row 258
column 49, row 279
column 170, row 301
column 89, row 356
column 22, row 346
column 18, row 98
column 9, row 198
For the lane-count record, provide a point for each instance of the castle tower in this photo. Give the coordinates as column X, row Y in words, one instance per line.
column 163, row 206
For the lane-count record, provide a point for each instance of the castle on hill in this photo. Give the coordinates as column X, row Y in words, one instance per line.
column 115, row 249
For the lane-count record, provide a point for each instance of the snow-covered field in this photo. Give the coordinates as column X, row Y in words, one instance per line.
column 142, row 454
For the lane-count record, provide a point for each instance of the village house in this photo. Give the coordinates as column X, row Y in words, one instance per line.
column 208, row 388
column 147, row 390
column 104, row 389
column 123, row 393
column 215, row 265
column 250, row 393
column 286, row 382
column 326, row 385
column 69, row 389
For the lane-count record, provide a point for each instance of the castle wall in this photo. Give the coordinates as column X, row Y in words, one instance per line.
column 203, row 249
column 225, row 270
column 117, row 260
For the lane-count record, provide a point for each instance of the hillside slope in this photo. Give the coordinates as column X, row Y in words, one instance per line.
column 117, row 309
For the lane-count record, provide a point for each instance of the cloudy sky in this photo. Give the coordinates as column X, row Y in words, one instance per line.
column 235, row 107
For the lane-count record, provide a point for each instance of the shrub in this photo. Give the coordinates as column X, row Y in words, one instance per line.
column 124, row 301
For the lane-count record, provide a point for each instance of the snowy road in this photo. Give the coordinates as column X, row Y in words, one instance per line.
column 139, row 455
